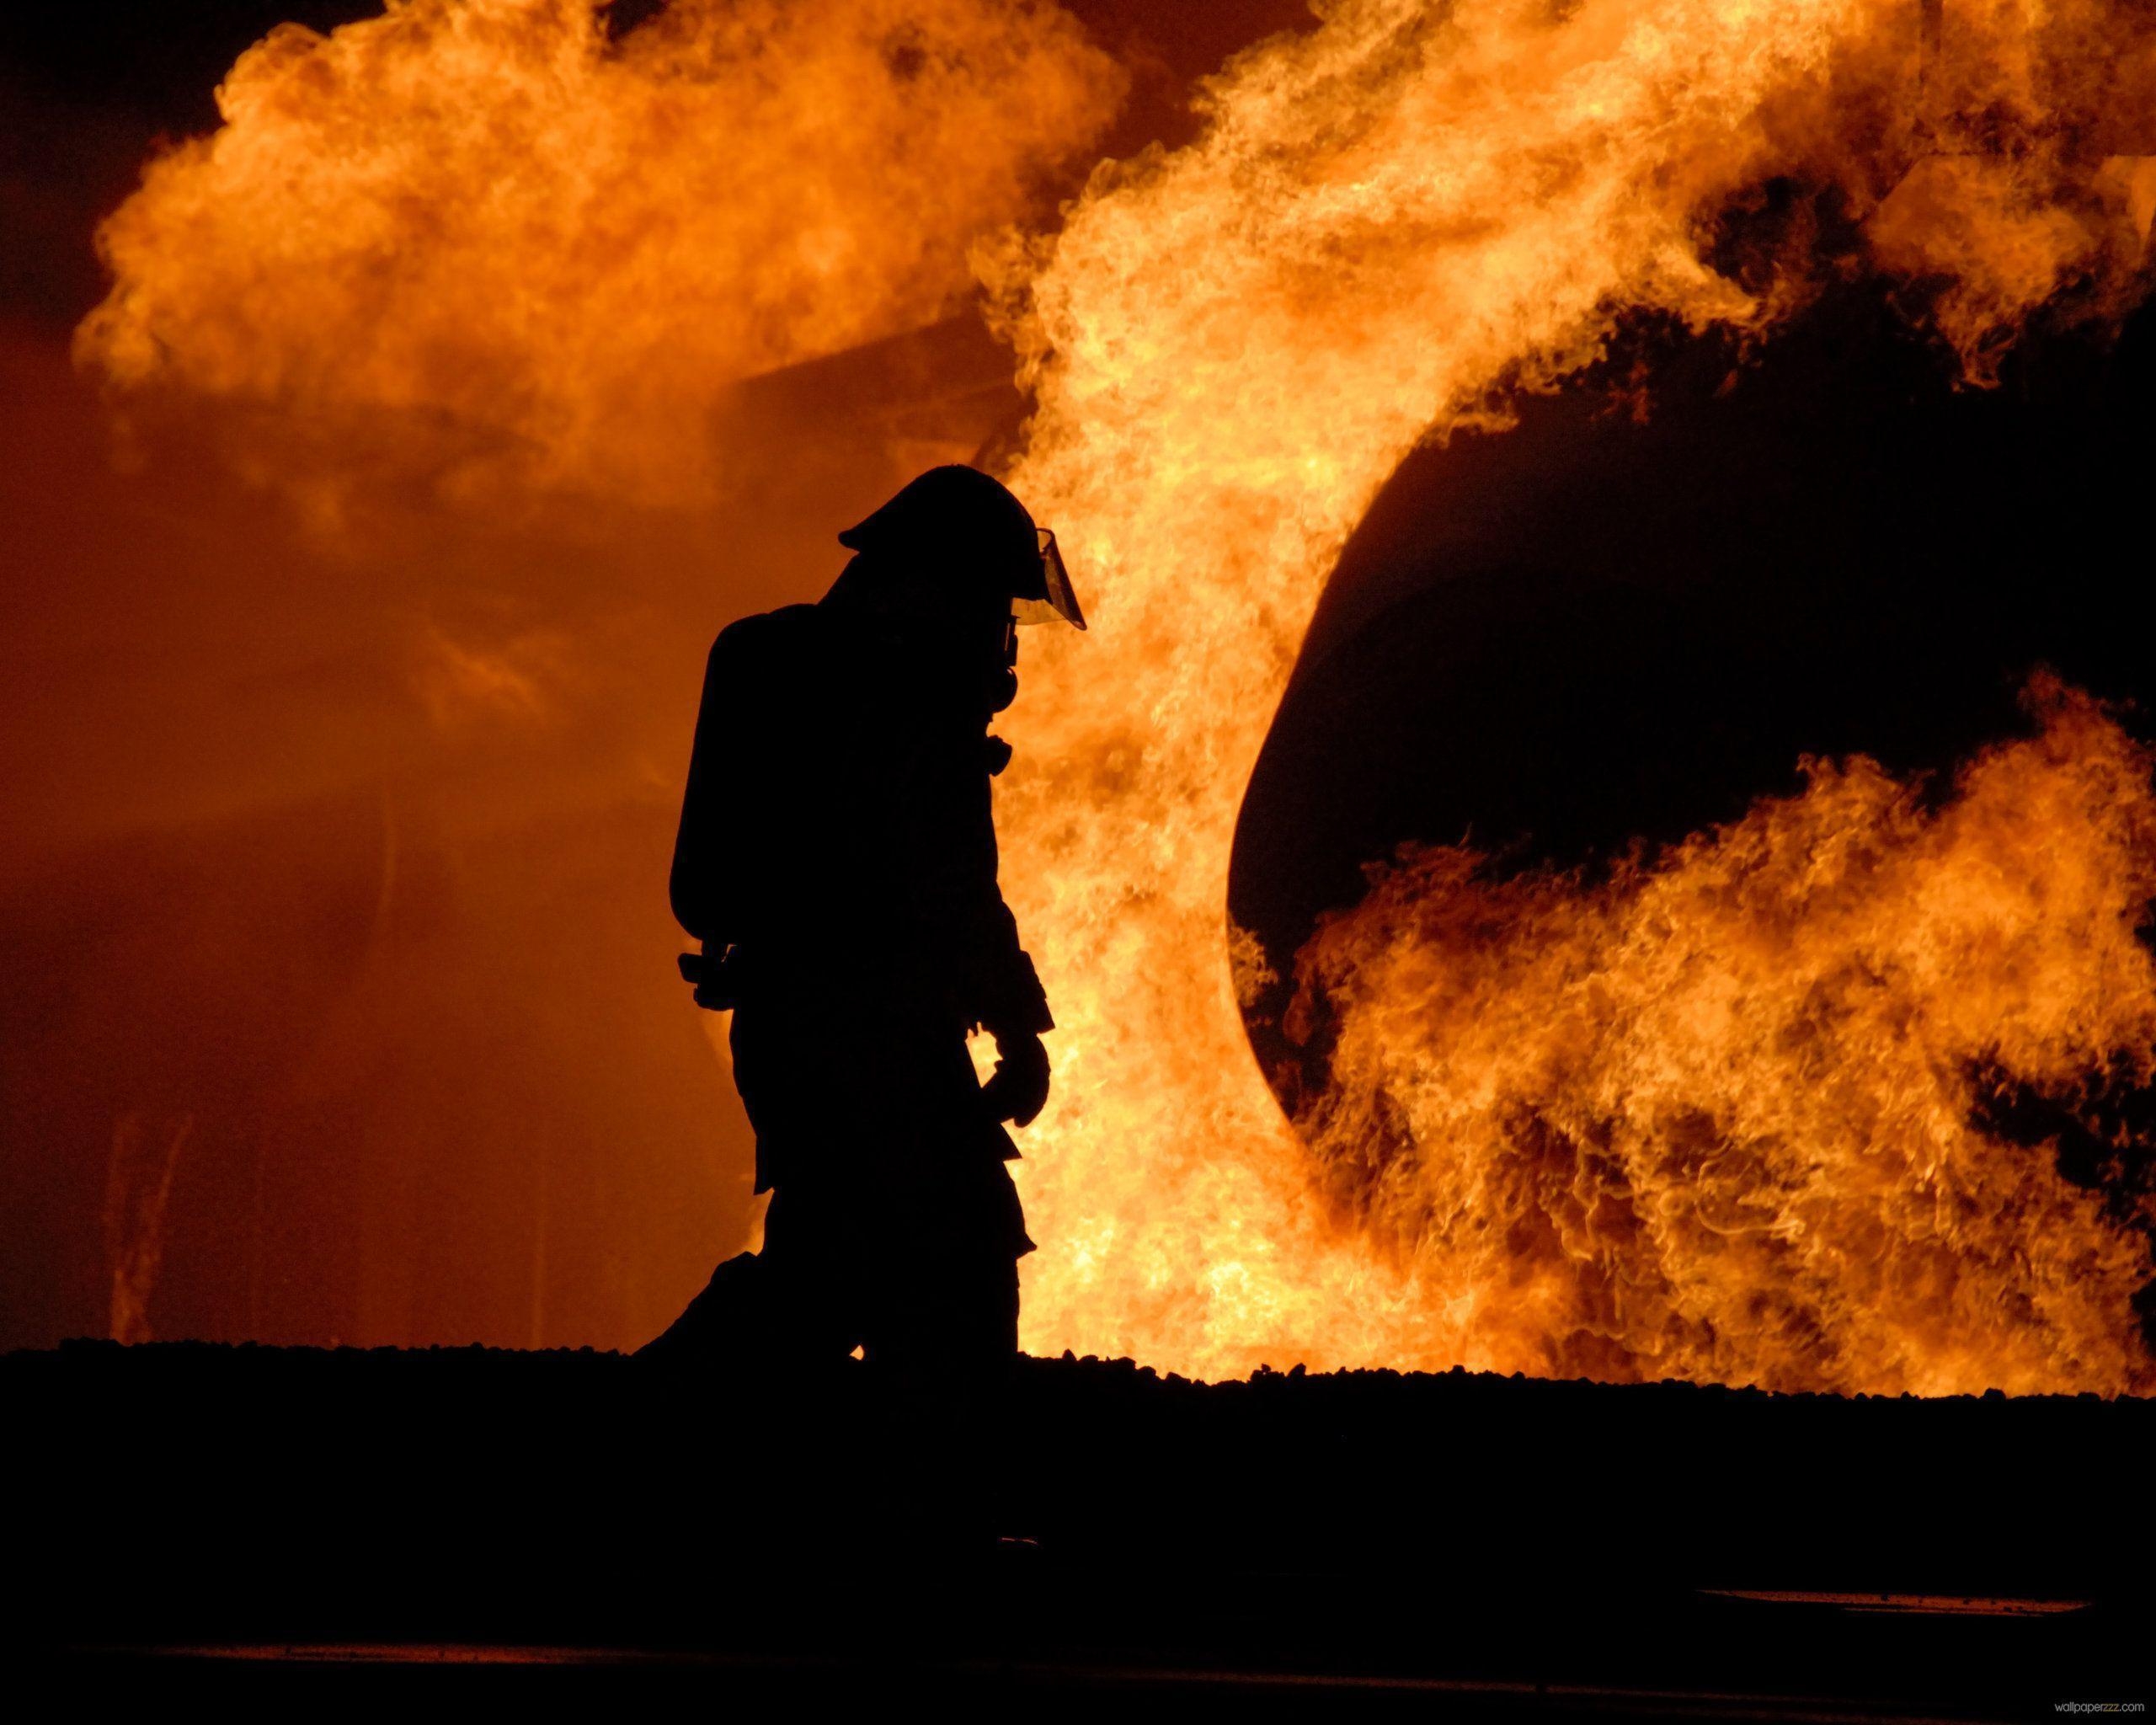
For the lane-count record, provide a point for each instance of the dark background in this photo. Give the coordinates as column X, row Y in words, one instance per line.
column 1628, row 617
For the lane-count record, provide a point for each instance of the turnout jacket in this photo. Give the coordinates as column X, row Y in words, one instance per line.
column 837, row 831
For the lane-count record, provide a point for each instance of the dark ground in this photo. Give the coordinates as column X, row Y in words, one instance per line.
column 374, row 1524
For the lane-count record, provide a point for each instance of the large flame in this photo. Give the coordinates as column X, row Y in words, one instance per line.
column 485, row 215
column 1715, row 1117
column 1385, row 222
column 488, row 218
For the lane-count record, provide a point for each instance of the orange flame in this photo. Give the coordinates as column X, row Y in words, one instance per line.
column 557, row 250
column 1385, row 222
column 1712, row 1119
column 484, row 220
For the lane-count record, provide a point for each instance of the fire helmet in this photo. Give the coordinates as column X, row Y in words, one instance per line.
column 967, row 527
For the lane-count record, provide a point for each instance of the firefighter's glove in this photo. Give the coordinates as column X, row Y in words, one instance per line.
column 1017, row 1090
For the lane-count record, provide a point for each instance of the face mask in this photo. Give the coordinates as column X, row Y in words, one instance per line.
column 1060, row 600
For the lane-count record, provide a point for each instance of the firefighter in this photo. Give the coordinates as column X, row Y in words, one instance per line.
column 837, row 861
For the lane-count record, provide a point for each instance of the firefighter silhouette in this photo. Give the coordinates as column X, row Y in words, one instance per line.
column 837, row 861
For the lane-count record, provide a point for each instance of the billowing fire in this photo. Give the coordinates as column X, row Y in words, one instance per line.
column 1711, row 1117
column 1388, row 221
column 1714, row 1116
column 542, row 250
